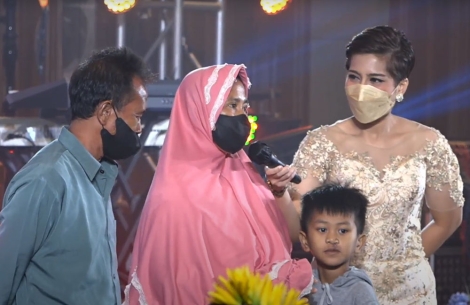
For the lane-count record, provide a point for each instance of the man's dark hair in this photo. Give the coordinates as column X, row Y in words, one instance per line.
column 335, row 199
column 387, row 41
column 107, row 75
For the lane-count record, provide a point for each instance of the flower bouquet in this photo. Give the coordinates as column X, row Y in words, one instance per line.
column 243, row 287
column 459, row 298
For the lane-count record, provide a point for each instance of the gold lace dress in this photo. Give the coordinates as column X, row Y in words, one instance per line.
column 396, row 181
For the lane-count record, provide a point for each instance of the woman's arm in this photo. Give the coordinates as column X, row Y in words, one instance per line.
column 310, row 162
column 291, row 215
column 444, row 194
column 442, row 226
column 290, row 201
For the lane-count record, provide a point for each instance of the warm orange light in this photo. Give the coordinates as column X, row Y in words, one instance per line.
column 272, row 7
column 119, row 6
column 43, row 3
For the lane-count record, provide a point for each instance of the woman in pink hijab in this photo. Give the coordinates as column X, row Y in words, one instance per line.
column 208, row 209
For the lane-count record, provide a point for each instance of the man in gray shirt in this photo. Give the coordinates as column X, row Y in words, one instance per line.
column 57, row 229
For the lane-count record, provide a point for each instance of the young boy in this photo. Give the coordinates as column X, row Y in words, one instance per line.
column 332, row 221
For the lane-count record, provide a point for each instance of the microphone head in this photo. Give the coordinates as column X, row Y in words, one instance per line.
column 260, row 153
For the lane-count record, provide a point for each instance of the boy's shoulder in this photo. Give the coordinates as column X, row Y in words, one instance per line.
column 364, row 293
column 354, row 285
column 362, row 290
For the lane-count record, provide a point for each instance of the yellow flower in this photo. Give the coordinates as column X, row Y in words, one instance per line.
column 243, row 287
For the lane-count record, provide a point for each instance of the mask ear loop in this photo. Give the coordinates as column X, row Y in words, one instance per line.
column 393, row 92
column 115, row 112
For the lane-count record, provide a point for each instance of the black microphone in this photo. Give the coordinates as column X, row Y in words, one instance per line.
column 260, row 153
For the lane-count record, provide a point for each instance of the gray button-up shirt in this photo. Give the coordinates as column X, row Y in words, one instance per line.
column 57, row 229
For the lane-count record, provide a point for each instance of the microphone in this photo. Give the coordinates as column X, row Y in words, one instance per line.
column 260, row 153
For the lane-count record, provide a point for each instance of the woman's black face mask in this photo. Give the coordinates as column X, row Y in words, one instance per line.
column 231, row 132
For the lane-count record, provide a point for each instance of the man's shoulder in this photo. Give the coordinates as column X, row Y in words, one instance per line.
column 47, row 177
column 51, row 160
column 45, row 168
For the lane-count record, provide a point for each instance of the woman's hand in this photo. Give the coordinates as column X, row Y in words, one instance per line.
column 279, row 177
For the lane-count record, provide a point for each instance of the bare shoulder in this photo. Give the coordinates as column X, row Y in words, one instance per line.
column 341, row 130
column 341, row 126
column 418, row 130
column 319, row 133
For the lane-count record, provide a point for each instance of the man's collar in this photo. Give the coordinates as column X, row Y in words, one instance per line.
column 89, row 164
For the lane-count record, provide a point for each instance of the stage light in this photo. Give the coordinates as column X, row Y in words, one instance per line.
column 254, row 126
column 43, row 3
column 119, row 6
column 272, row 7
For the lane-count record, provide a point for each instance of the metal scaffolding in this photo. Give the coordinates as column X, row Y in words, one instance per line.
column 178, row 6
column 10, row 48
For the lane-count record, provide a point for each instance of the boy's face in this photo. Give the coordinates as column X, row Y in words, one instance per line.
column 332, row 239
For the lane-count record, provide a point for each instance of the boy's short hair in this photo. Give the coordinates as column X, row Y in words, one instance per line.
column 335, row 199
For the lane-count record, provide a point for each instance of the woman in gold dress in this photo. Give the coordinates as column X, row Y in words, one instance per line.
column 397, row 163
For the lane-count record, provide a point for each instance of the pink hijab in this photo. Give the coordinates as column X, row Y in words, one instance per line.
column 206, row 212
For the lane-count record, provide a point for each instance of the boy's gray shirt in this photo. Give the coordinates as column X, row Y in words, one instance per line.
column 354, row 287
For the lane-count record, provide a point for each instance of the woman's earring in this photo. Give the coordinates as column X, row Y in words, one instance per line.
column 399, row 97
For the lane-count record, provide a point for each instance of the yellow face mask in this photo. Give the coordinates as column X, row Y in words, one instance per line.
column 368, row 103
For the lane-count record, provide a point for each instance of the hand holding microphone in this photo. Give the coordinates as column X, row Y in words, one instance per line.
column 278, row 174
